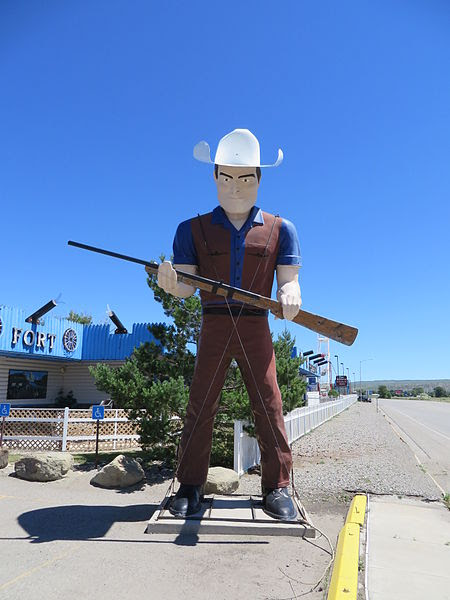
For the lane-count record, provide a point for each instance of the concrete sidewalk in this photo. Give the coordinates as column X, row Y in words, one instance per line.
column 67, row 539
column 408, row 549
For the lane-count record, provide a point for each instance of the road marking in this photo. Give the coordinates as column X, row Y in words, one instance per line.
column 415, row 455
column 18, row 498
column 403, row 432
column 426, row 426
column 429, row 475
column 39, row 567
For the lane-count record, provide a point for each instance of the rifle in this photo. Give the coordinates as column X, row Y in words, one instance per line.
column 345, row 334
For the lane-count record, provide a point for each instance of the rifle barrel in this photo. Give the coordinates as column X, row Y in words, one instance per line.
column 188, row 277
column 340, row 332
column 114, row 254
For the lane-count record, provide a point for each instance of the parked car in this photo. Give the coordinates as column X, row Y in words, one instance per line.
column 364, row 397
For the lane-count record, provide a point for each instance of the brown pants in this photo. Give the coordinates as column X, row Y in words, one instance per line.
column 213, row 359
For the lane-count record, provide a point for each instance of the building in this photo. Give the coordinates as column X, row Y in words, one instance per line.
column 42, row 355
column 311, row 378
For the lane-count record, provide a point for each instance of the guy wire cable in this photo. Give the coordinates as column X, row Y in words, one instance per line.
column 235, row 321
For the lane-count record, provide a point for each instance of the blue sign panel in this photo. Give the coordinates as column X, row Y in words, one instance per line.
column 51, row 337
column 98, row 412
column 4, row 410
column 60, row 338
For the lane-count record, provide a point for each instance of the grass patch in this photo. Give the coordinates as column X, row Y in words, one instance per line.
column 80, row 459
column 85, row 458
column 446, row 500
column 13, row 458
column 146, row 458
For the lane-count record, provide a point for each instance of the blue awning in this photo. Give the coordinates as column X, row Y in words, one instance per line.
column 303, row 371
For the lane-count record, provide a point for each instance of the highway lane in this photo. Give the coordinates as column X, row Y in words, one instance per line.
column 427, row 428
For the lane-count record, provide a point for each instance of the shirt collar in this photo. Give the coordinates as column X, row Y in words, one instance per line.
column 220, row 218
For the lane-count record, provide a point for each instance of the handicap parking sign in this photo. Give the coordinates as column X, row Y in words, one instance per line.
column 4, row 410
column 98, row 412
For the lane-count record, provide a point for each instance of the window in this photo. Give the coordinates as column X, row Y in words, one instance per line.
column 27, row 384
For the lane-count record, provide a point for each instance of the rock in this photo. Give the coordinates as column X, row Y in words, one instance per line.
column 4, row 457
column 44, row 466
column 122, row 472
column 221, row 481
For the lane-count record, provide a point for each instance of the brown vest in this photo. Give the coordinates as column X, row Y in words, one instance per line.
column 213, row 245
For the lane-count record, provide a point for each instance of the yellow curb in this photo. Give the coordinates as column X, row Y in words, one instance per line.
column 344, row 579
column 357, row 510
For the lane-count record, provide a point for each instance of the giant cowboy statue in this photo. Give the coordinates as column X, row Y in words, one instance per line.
column 239, row 244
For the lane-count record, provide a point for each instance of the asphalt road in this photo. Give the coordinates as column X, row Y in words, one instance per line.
column 425, row 426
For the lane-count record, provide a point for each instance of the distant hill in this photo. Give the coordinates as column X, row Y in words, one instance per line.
column 405, row 384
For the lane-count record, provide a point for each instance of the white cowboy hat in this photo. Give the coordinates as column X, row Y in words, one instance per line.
column 240, row 148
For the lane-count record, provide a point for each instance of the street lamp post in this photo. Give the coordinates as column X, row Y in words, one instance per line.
column 360, row 382
column 349, row 391
column 337, row 374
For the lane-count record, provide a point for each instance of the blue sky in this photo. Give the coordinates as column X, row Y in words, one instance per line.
column 103, row 101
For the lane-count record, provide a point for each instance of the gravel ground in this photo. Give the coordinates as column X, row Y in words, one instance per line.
column 355, row 451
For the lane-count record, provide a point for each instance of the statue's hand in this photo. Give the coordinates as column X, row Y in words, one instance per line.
column 290, row 298
column 167, row 278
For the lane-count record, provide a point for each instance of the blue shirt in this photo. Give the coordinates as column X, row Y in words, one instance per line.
column 184, row 252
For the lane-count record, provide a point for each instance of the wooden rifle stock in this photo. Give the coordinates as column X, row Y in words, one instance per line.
column 345, row 334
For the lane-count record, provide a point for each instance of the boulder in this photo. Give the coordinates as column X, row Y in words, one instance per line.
column 44, row 466
column 221, row 481
column 122, row 472
column 4, row 457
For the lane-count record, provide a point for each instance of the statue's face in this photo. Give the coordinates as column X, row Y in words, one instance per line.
column 237, row 188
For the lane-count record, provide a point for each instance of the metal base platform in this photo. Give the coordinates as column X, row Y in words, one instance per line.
column 232, row 514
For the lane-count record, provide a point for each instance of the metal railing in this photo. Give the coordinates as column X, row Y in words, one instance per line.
column 298, row 422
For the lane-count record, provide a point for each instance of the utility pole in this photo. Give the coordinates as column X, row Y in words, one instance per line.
column 326, row 351
column 360, row 382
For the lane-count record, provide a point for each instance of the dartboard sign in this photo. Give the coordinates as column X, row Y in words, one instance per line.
column 70, row 340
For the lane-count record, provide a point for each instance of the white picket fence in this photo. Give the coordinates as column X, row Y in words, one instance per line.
column 68, row 429
column 74, row 430
column 298, row 422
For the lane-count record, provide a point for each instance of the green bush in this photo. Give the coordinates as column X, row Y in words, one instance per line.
column 62, row 401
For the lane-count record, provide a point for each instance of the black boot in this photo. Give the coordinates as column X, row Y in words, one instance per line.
column 278, row 504
column 186, row 501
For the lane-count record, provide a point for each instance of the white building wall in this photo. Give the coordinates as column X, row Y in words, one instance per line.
column 78, row 379
column 73, row 376
column 54, row 381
